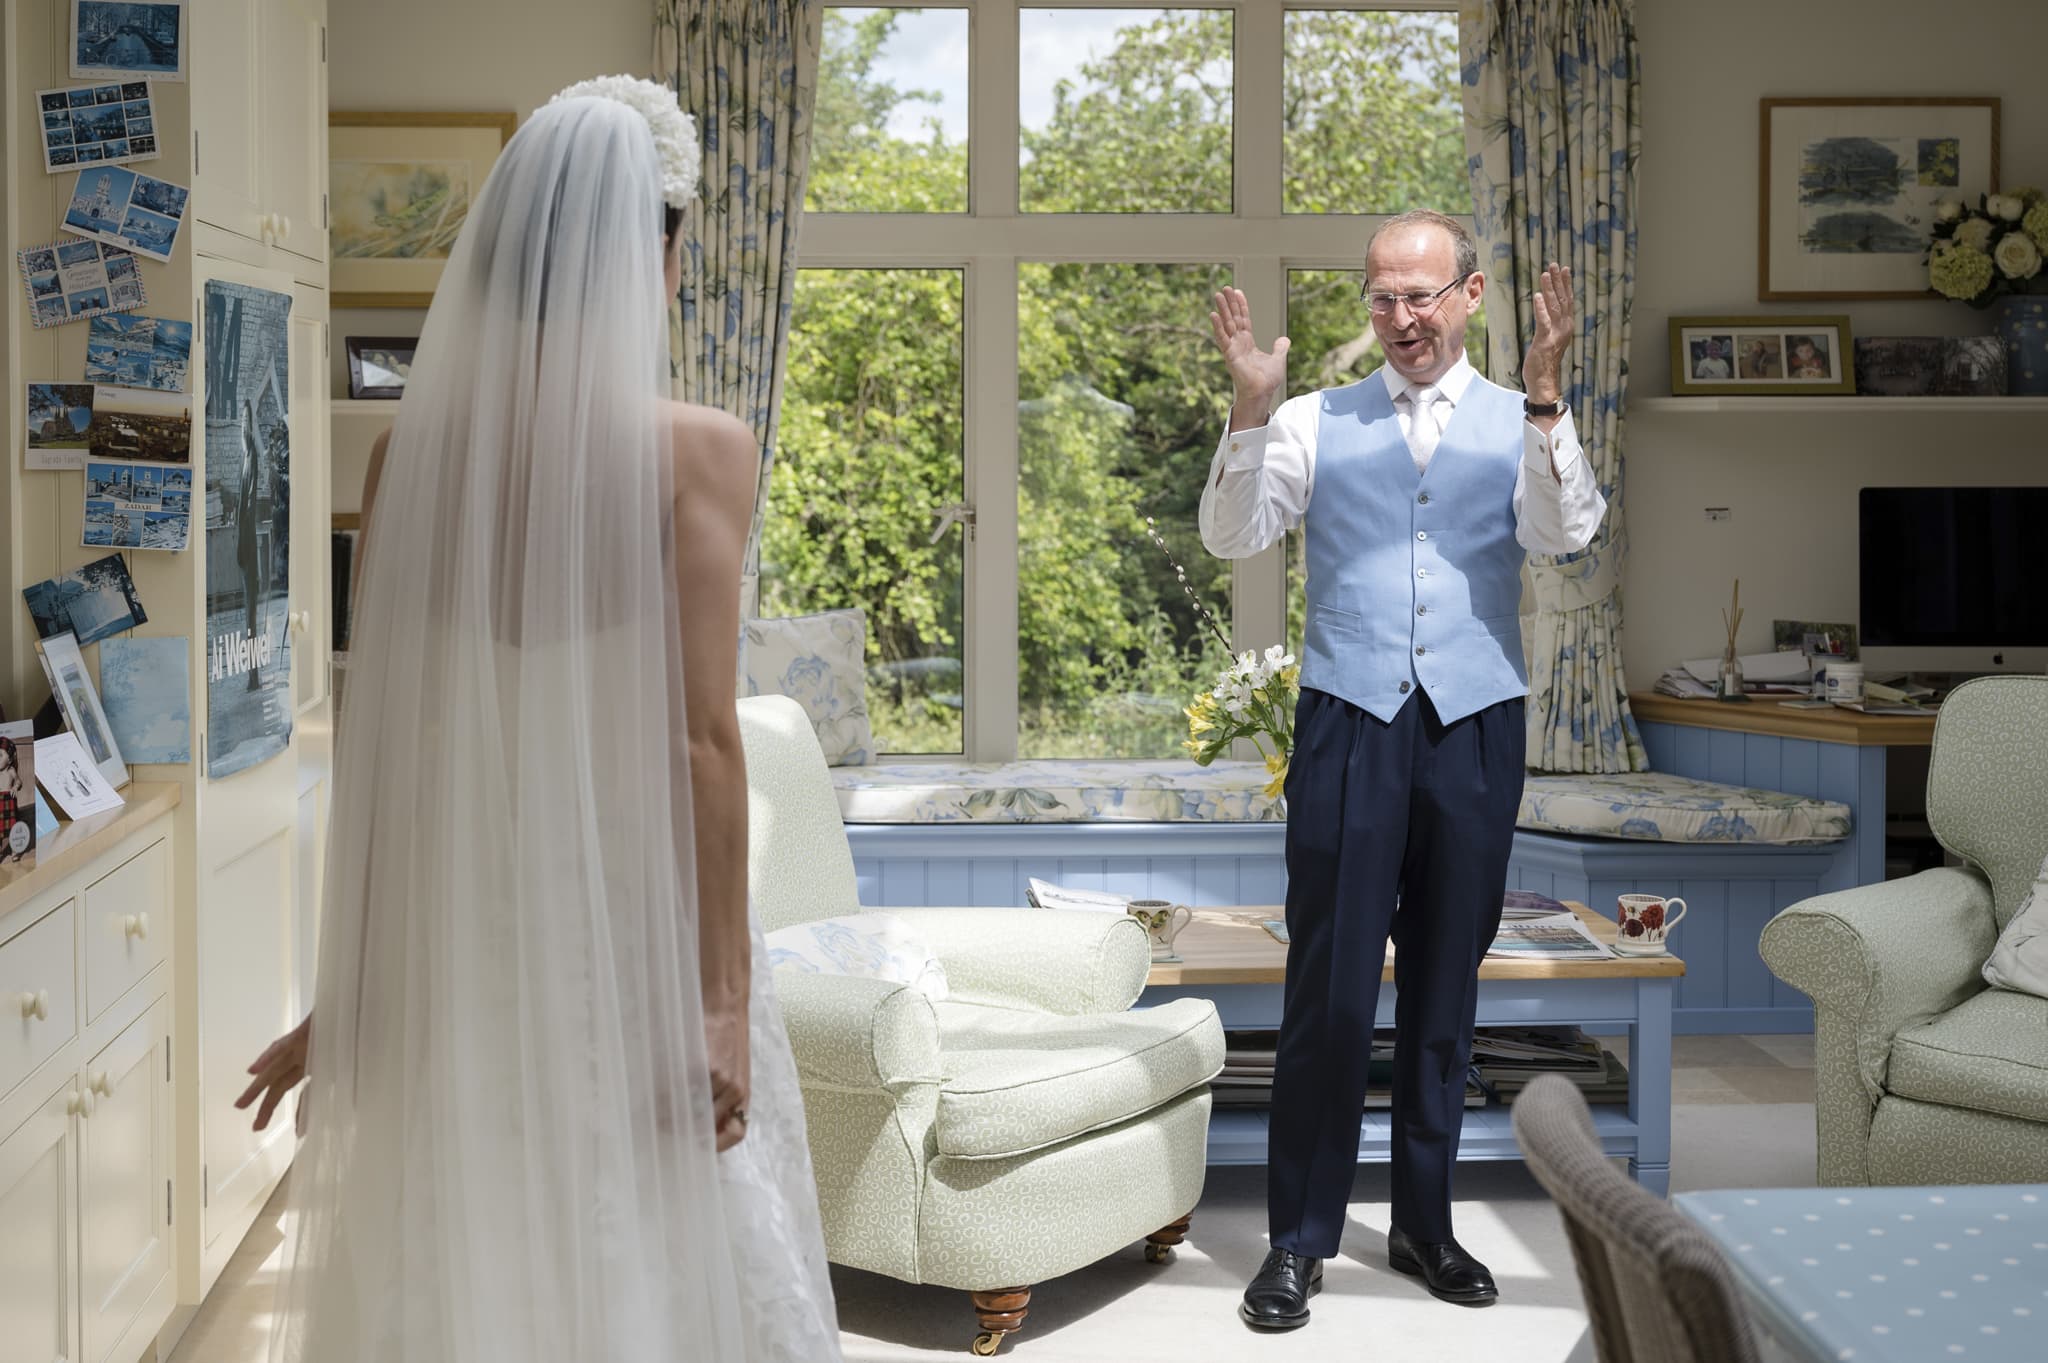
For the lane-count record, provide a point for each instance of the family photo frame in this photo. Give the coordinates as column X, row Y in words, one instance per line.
column 1761, row 356
column 379, row 366
column 1848, row 188
column 399, row 189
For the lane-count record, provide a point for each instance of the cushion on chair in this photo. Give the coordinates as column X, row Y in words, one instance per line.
column 2020, row 960
column 1019, row 1081
column 873, row 946
column 1988, row 1054
column 1657, row 807
column 1047, row 791
column 819, row 661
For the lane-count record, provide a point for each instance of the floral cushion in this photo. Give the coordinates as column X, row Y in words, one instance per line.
column 1657, row 807
column 1046, row 791
column 873, row 946
column 819, row 661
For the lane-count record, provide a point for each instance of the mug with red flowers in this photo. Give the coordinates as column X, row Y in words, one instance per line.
column 1645, row 920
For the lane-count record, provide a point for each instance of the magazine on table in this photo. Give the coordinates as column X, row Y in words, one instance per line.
column 1045, row 895
column 1556, row 937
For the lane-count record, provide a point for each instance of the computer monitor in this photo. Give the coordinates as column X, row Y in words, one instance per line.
column 1953, row 579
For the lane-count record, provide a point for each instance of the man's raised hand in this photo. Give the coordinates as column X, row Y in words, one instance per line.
column 1256, row 375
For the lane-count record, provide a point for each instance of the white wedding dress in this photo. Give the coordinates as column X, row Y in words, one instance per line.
column 509, row 1153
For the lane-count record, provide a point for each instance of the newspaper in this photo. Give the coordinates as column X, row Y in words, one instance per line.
column 1559, row 937
column 1045, row 895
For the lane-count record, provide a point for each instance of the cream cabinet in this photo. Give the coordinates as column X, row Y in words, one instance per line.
column 259, row 121
column 86, row 1096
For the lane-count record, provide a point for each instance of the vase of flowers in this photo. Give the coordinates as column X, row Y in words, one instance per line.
column 1253, row 698
column 1991, row 257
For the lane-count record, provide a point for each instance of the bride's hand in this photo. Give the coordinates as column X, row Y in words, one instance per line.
column 279, row 1070
column 725, row 1037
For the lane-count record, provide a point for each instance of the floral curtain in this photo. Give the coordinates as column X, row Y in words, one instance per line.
column 747, row 71
column 1553, row 130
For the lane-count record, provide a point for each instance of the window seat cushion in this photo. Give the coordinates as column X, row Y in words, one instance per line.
column 1055, row 791
column 1655, row 806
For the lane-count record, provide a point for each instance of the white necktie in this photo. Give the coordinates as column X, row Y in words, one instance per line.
column 1423, row 432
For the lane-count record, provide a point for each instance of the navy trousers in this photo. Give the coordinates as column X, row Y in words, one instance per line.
column 1417, row 812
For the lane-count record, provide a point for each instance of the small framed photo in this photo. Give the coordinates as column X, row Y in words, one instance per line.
column 1850, row 186
column 72, row 686
column 378, row 366
column 1760, row 356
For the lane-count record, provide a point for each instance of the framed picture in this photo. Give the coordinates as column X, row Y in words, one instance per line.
column 1848, row 189
column 378, row 366
column 399, row 189
column 1760, row 356
column 124, row 39
column 1930, row 366
column 72, row 687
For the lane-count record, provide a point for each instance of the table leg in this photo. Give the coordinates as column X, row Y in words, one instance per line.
column 1649, row 1084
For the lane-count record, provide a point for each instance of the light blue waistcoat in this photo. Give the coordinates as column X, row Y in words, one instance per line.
column 1415, row 579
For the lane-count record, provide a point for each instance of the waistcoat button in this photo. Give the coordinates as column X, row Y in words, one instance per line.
column 1422, row 534
column 1423, row 499
column 1404, row 688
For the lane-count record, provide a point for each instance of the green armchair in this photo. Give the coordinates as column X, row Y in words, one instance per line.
column 1028, row 1125
column 1924, row 1073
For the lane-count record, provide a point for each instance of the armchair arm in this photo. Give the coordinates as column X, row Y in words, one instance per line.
column 1063, row 961
column 1876, row 960
column 853, row 1033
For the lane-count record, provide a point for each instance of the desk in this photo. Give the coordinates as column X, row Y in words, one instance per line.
column 1229, row 959
column 1890, row 1275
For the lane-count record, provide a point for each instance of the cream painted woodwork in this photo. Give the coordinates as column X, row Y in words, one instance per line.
column 39, row 1213
column 124, row 1249
column 259, row 121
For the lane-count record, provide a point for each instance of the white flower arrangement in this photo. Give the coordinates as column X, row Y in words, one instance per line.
column 1979, row 254
column 675, row 132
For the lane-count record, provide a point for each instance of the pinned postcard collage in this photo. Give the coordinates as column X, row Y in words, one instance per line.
column 126, row 422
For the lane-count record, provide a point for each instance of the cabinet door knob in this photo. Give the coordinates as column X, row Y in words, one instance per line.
column 102, row 1085
column 74, row 1105
column 301, row 621
column 135, row 925
column 36, row 1005
column 284, row 228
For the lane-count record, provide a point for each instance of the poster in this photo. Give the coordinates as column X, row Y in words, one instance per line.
column 69, row 281
column 248, row 520
column 98, row 124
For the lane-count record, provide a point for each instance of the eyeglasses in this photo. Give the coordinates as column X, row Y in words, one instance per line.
column 1419, row 304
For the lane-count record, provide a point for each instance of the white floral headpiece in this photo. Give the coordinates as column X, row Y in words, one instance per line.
column 675, row 132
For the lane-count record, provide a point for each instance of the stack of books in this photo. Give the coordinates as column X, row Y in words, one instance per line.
column 1247, row 1077
column 1508, row 1058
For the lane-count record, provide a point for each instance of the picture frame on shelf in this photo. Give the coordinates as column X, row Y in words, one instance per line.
column 379, row 366
column 1930, row 366
column 1759, row 356
column 1848, row 187
column 79, row 701
column 399, row 188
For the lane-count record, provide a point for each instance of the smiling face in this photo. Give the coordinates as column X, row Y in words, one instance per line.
column 1421, row 259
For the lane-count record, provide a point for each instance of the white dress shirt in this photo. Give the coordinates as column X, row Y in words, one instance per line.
column 1261, row 479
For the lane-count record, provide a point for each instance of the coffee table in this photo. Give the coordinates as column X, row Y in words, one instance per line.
column 1230, row 959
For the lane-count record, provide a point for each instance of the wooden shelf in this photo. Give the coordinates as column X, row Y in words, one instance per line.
column 367, row 407
column 1769, row 715
column 1814, row 406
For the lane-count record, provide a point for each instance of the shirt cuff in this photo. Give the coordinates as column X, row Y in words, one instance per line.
column 1558, row 446
column 1245, row 449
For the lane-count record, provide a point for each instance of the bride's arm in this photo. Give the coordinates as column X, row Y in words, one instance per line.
column 717, row 467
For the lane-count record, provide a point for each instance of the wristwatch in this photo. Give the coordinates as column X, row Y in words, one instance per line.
column 1543, row 408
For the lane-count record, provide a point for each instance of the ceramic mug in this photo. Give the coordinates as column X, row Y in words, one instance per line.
column 1645, row 920
column 1163, row 921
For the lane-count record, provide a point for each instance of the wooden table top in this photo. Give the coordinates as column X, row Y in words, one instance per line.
column 1769, row 715
column 1230, row 946
column 75, row 844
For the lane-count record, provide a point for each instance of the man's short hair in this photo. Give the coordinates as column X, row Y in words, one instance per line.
column 1462, row 244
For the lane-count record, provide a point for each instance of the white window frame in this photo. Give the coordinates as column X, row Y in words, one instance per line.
column 1258, row 242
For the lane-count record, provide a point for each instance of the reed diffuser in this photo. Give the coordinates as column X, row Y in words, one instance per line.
column 1730, row 687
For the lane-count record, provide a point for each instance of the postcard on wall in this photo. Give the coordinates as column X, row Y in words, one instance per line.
column 98, row 124
column 70, row 280
column 128, row 209
column 121, row 39
column 137, row 506
column 140, row 352
column 79, row 700
column 58, row 417
column 90, row 603
column 146, row 686
column 17, row 793
column 67, row 775
column 141, row 424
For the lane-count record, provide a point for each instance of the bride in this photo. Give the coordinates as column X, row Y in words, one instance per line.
column 551, row 1111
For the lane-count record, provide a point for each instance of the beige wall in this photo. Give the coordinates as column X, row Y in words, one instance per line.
column 473, row 55
column 1790, row 480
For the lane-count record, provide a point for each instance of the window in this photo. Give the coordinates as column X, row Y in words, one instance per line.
column 1017, row 215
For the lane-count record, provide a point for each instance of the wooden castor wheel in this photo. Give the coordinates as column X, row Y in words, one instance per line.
column 1001, row 1313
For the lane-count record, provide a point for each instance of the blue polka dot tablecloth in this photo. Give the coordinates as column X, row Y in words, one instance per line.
column 1891, row 1275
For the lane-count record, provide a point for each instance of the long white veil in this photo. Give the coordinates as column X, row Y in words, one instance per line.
column 510, row 1154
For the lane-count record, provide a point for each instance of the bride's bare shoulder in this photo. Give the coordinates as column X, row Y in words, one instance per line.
column 708, row 441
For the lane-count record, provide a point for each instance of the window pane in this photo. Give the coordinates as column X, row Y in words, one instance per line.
column 1124, row 110
column 1122, row 402
column 1374, row 121
column 890, row 131
column 870, row 448
column 1332, row 344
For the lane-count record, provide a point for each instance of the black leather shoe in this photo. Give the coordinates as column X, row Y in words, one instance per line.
column 1446, row 1270
column 1277, row 1298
